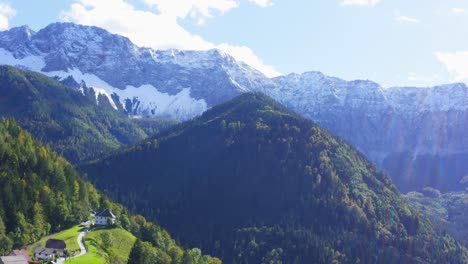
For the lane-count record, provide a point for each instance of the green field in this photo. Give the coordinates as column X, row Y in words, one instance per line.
column 94, row 256
column 106, row 246
column 70, row 237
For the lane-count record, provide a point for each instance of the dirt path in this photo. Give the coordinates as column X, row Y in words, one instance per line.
column 80, row 243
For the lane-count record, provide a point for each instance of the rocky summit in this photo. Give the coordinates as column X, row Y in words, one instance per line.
column 401, row 129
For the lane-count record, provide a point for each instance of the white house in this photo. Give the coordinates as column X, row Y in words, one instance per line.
column 54, row 247
column 46, row 253
column 104, row 217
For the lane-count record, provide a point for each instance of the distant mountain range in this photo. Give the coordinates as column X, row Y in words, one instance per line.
column 417, row 135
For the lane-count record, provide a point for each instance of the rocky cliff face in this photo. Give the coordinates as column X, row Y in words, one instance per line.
column 173, row 83
column 417, row 135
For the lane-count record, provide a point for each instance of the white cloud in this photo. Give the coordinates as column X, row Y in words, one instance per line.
column 456, row 64
column 406, row 19
column 6, row 13
column 262, row 3
column 160, row 31
column 458, row 11
column 247, row 55
column 193, row 8
column 359, row 2
column 142, row 27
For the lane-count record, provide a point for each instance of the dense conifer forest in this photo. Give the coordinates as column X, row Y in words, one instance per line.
column 251, row 182
column 41, row 193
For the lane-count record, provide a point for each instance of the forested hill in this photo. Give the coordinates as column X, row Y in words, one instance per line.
column 41, row 193
column 449, row 211
column 79, row 127
column 251, row 182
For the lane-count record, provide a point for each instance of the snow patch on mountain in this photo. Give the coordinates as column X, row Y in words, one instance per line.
column 191, row 58
column 33, row 63
column 147, row 100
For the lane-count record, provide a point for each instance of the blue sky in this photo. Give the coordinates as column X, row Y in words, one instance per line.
column 396, row 43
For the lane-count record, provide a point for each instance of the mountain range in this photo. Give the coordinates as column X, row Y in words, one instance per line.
column 401, row 129
column 251, row 182
column 248, row 178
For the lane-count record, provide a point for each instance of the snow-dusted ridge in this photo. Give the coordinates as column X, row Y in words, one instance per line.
column 429, row 99
column 399, row 121
column 151, row 101
column 171, row 83
column 182, row 84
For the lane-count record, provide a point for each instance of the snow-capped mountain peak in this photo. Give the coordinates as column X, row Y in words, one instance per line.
column 113, row 64
column 15, row 37
column 385, row 124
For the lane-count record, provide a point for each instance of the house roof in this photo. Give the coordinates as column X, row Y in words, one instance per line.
column 21, row 252
column 56, row 244
column 106, row 213
column 38, row 250
column 13, row 260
